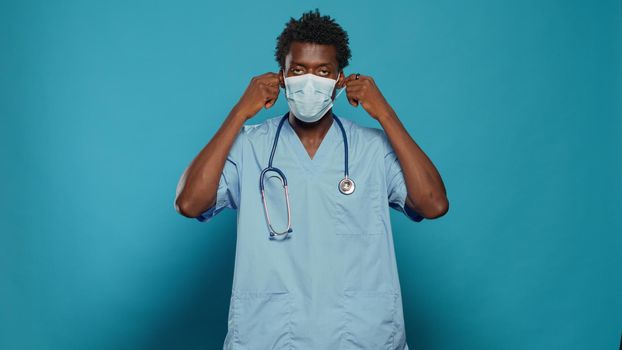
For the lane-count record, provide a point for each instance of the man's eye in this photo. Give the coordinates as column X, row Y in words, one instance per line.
column 324, row 72
column 297, row 71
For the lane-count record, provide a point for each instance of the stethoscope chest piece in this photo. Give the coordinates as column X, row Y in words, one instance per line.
column 346, row 185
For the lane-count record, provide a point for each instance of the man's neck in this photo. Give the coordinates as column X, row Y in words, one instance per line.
column 312, row 131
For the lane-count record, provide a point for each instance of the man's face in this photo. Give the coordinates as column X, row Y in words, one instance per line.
column 304, row 58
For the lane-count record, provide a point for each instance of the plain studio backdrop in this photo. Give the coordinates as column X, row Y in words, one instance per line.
column 104, row 104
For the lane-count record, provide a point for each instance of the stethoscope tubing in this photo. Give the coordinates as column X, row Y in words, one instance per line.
column 283, row 178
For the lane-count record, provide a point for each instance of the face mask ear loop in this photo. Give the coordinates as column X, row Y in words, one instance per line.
column 340, row 91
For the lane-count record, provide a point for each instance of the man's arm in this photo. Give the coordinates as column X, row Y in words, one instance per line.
column 426, row 191
column 199, row 183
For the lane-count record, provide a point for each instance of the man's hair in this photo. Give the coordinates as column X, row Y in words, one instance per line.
column 317, row 29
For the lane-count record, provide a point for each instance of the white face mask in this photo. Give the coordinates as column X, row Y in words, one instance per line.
column 309, row 96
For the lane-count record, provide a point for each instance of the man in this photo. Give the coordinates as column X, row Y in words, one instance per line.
column 315, row 266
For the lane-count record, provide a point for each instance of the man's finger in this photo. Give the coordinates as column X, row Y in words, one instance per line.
column 352, row 98
column 354, row 88
column 349, row 78
column 271, row 101
column 271, row 79
column 354, row 83
column 272, row 94
column 270, row 90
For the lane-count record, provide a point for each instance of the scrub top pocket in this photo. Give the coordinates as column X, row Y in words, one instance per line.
column 369, row 320
column 358, row 213
column 262, row 321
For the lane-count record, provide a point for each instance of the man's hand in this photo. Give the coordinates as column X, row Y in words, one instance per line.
column 364, row 91
column 262, row 91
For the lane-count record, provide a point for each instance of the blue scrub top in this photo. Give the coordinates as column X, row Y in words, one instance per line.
column 334, row 283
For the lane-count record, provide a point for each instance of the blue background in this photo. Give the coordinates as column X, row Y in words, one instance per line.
column 103, row 105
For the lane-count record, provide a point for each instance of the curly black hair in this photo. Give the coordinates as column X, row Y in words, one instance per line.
column 313, row 28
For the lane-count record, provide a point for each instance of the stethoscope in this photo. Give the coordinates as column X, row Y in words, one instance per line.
column 346, row 185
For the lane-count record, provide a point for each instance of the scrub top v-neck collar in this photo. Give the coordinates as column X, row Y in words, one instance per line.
column 321, row 154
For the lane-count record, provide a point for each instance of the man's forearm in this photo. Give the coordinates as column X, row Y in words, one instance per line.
column 196, row 191
column 426, row 191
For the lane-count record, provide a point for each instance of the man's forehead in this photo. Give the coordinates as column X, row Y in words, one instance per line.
column 311, row 54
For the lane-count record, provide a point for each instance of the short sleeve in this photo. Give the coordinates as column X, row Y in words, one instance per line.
column 228, row 193
column 396, row 187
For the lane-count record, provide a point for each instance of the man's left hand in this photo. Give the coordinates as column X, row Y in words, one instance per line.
column 364, row 91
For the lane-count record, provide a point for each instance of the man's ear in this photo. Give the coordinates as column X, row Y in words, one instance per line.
column 341, row 79
column 281, row 79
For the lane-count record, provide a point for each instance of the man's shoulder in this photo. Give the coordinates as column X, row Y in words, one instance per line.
column 259, row 129
column 364, row 134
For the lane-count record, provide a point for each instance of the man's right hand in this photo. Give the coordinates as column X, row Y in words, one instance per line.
column 262, row 91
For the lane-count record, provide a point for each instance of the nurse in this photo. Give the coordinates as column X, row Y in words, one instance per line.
column 315, row 266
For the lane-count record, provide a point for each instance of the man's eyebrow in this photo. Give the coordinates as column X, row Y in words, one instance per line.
column 294, row 63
